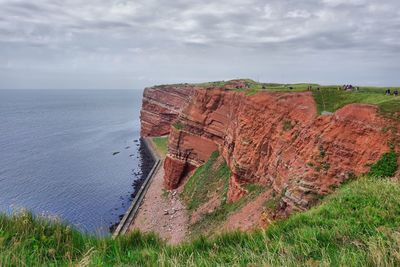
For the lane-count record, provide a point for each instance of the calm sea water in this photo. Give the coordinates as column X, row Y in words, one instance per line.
column 56, row 154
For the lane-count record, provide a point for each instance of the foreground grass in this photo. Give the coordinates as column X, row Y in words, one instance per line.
column 357, row 226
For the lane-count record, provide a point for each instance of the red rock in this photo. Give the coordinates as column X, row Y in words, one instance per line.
column 161, row 106
column 272, row 139
column 175, row 168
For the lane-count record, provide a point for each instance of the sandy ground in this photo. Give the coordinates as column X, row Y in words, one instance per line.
column 161, row 214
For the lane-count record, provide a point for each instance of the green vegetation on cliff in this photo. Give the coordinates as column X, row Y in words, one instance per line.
column 161, row 144
column 210, row 179
column 209, row 184
column 386, row 166
column 330, row 99
column 359, row 225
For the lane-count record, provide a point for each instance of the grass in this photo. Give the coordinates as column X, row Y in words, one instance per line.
column 215, row 84
column 211, row 177
column 359, row 225
column 161, row 144
column 287, row 125
column 178, row 125
column 209, row 225
column 330, row 99
column 386, row 166
column 208, row 180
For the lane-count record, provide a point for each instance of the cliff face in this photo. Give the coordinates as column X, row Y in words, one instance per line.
column 272, row 139
column 161, row 106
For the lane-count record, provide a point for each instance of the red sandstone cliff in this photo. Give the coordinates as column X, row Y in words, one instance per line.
column 161, row 106
column 273, row 139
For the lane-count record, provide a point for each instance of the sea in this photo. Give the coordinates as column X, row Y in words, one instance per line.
column 71, row 155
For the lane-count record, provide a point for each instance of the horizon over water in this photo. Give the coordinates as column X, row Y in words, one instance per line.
column 56, row 151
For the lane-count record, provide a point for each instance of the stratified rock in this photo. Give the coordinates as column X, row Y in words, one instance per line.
column 161, row 106
column 268, row 138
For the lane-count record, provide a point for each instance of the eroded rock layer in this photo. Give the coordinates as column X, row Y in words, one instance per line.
column 161, row 106
column 274, row 139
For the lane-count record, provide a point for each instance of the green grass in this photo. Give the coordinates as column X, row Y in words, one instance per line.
column 208, row 180
column 178, row 125
column 287, row 125
column 211, row 177
column 386, row 166
column 330, row 99
column 26, row 240
column 210, row 223
column 359, row 225
column 214, row 84
column 161, row 144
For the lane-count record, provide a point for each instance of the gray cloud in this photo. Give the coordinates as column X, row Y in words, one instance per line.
column 130, row 44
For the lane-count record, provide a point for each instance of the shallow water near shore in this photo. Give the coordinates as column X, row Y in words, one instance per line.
column 74, row 154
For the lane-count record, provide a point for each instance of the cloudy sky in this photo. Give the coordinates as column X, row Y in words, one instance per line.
column 136, row 43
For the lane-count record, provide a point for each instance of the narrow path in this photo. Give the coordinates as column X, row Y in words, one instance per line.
column 162, row 214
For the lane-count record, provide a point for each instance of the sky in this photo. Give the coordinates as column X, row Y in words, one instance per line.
column 117, row 44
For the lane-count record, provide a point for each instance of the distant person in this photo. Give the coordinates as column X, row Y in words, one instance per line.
column 396, row 92
column 388, row 92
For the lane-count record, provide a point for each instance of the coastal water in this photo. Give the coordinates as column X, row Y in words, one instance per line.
column 59, row 154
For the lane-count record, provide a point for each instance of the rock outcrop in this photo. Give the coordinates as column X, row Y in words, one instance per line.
column 274, row 139
column 161, row 106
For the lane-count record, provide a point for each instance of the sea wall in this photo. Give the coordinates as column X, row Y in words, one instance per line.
column 130, row 214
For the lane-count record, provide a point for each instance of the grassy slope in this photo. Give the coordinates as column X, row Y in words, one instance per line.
column 210, row 179
column 161, row 144
column 357, row 226
column 207, row 179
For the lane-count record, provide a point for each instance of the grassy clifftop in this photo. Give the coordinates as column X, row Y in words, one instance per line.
column 332, row 97
column 359, row 225
column 327, row 97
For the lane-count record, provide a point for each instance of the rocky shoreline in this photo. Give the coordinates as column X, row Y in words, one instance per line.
column 148, row 161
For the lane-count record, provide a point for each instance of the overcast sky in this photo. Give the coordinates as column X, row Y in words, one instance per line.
column 132, row 44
